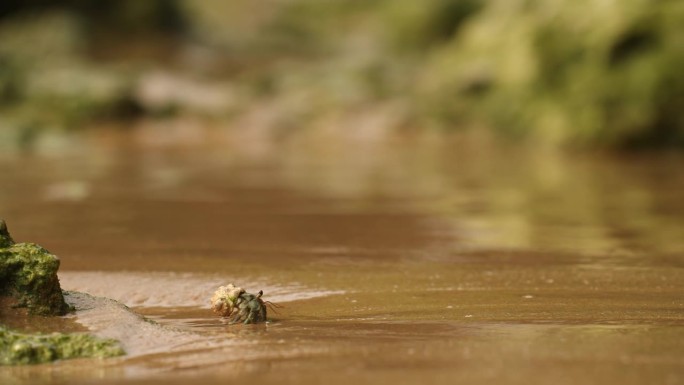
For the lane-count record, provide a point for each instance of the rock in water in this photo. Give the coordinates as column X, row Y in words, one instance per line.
column 28, row 276
column 5, row 238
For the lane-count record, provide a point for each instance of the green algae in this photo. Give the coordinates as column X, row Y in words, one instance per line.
column 573, row 72
column 21, row 349
column 28, row 275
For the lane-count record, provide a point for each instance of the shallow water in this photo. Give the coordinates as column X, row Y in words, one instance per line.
column 405, row 259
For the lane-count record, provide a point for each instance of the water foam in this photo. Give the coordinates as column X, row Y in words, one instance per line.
column 171, row 289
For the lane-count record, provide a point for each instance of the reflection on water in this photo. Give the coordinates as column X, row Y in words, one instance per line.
column 471, row 196
column 396, row 259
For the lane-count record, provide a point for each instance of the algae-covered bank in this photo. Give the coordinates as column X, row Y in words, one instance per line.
column 28, row 279
column 20, row 348
column 28, row 276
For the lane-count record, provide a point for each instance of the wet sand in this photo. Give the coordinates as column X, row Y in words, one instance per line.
column 405, row 260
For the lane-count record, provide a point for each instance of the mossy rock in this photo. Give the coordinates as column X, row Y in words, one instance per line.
column 565, row 72
column 28, row 275
column 21, row 349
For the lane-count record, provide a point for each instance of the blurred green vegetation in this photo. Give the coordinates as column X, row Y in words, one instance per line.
column 580, row 73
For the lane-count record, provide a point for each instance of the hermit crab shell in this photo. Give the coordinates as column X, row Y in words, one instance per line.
column 224, row 298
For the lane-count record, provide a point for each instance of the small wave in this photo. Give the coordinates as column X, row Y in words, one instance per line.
column 111, row 319
column 171, row 289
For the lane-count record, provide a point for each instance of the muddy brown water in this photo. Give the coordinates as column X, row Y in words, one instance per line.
column 396, row 260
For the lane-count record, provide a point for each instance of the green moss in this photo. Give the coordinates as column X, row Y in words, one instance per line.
column 420, row 25
column 614, row 82
column 28, row 273
column 20, row 349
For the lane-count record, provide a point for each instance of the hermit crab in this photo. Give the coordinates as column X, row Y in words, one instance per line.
column 234, row 303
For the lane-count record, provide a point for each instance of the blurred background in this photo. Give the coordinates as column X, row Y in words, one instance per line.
column 488, row 185
column 560, row 74
column 525, row 119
